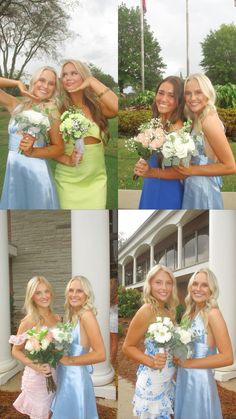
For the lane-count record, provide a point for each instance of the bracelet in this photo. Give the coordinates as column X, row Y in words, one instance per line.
column 103, row 93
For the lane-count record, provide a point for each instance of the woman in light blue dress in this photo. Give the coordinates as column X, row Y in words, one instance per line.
column 75, row 395
column 202, row 184
column 196, row 391
column 28, row 182
column 155, row 388
column 168, row 105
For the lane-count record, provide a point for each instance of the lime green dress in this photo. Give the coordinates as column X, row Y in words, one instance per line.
column 83, row 186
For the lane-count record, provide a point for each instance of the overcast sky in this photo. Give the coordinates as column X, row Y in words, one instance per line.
column 167, row 20
column 130, row 220
column 96, row 23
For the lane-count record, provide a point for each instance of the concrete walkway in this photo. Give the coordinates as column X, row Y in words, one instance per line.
column 126, row 392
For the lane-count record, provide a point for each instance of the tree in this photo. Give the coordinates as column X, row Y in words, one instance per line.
column 219, row 52
column 28, row 29
column 129, row 52
column 107, row 79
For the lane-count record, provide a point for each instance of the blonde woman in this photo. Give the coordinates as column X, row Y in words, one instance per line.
column 75, row 395
column 196, row 391
column 34, row 399
column 28, row 182
column 154, row 392
column 84, row 186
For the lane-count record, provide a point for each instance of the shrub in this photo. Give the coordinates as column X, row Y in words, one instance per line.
column 130, row 120
column 180, row 309
column 129, row 301
column 228, row 117
column 121, row 330
column 226, row 95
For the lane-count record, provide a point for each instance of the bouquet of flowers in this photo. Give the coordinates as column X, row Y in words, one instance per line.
column 176, row 340
column 73, row 127
column 48, row 346
column 175, row 147
column 33, row 122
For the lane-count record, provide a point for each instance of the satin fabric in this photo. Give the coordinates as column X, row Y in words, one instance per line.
column 196, row 391
column 85, row 185
column 34, row 399
column 28, row 182
column 160, row 193
column 154, row 390
column 75, row 397
column 202, row 192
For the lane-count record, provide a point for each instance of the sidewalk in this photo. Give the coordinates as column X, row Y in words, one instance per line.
column 126, row 392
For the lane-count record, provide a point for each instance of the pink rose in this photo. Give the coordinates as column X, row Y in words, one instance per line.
column 35, row 343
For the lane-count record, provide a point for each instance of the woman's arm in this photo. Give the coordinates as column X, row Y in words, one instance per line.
column 18, row 350
column 97, row 354
column 219, row 331
column 143, row 169
column 136, row 332
column 225, row 165
column 9, row 101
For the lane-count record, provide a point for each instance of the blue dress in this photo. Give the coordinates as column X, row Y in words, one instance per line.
column 155, row 389
column 160, row 193
column 75, row 397
column 196, row 392
column 28, row 182
column 202, row 192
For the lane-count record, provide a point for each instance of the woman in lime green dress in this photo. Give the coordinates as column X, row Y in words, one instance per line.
column 84, row 185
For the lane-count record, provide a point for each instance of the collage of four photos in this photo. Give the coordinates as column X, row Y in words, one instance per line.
column 117, row 209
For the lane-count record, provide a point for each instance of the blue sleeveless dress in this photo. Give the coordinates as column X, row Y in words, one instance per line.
column 155, row 389
column 75, row 397
column 160, row 193
column 202, row 192
column 196, row 392
column 28, row 182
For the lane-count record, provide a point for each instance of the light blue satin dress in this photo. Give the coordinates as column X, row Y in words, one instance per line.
column 75, row 397
column 155, row 389
column 202, row 192
column 28, row 182
column 196, row 392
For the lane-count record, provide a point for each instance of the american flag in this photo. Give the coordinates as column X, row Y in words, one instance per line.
column 145, row 8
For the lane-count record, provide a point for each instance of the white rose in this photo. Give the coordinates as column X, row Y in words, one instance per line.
column 185, row 336
column 163, row 335
column 57, row 334
column 36, row 117
column 167, row 322
column 29, row 346
column 168, row 149
column 181, row 148
column 44, row 344
column 152, row 328
column 159, row 319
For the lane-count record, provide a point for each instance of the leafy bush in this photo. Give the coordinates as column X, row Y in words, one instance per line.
column 180, row 309
column 129, row 301
column 137, row 100
column 226, row 95
column 130, row 120
column 121, row 330
column 228, row 117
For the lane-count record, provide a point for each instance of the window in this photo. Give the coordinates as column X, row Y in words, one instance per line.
column 129, row 273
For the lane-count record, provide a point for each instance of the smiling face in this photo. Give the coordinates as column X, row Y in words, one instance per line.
column 76, row 295
column 195, row 99
column 44, row 87
column 165, row 99
column 161, row 286
column 71, row 79
column 200, row 290
column 42, row 296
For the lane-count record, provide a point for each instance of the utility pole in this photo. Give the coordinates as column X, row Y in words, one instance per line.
column 187, row 39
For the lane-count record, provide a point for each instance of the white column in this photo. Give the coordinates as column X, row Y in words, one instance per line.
column 151, row 256
column 8, row 366
column 180, row 245
column 222, row 261
column 123, row 275
column 90, row 258
column 134, row 270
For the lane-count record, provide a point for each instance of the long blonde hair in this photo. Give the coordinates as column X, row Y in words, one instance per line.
column 73, row 314
column 90, row 98
column 208, row 91
column 148, row 297
column 30, row 308
column 210, row 303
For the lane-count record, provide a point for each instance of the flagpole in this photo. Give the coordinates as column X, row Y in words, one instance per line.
column 187, row 39
column 142, row 45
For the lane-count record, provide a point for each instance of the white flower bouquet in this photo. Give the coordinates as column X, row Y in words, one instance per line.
column 48, row 346
column 175, row 339
column 73, row 127
column 33, row 122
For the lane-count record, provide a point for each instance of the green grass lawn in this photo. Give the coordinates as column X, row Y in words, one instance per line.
column 110, row 158
column 128, row 159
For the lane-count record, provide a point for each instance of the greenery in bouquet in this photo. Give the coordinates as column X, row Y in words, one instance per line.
column 74, row 124
column 34, row 123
